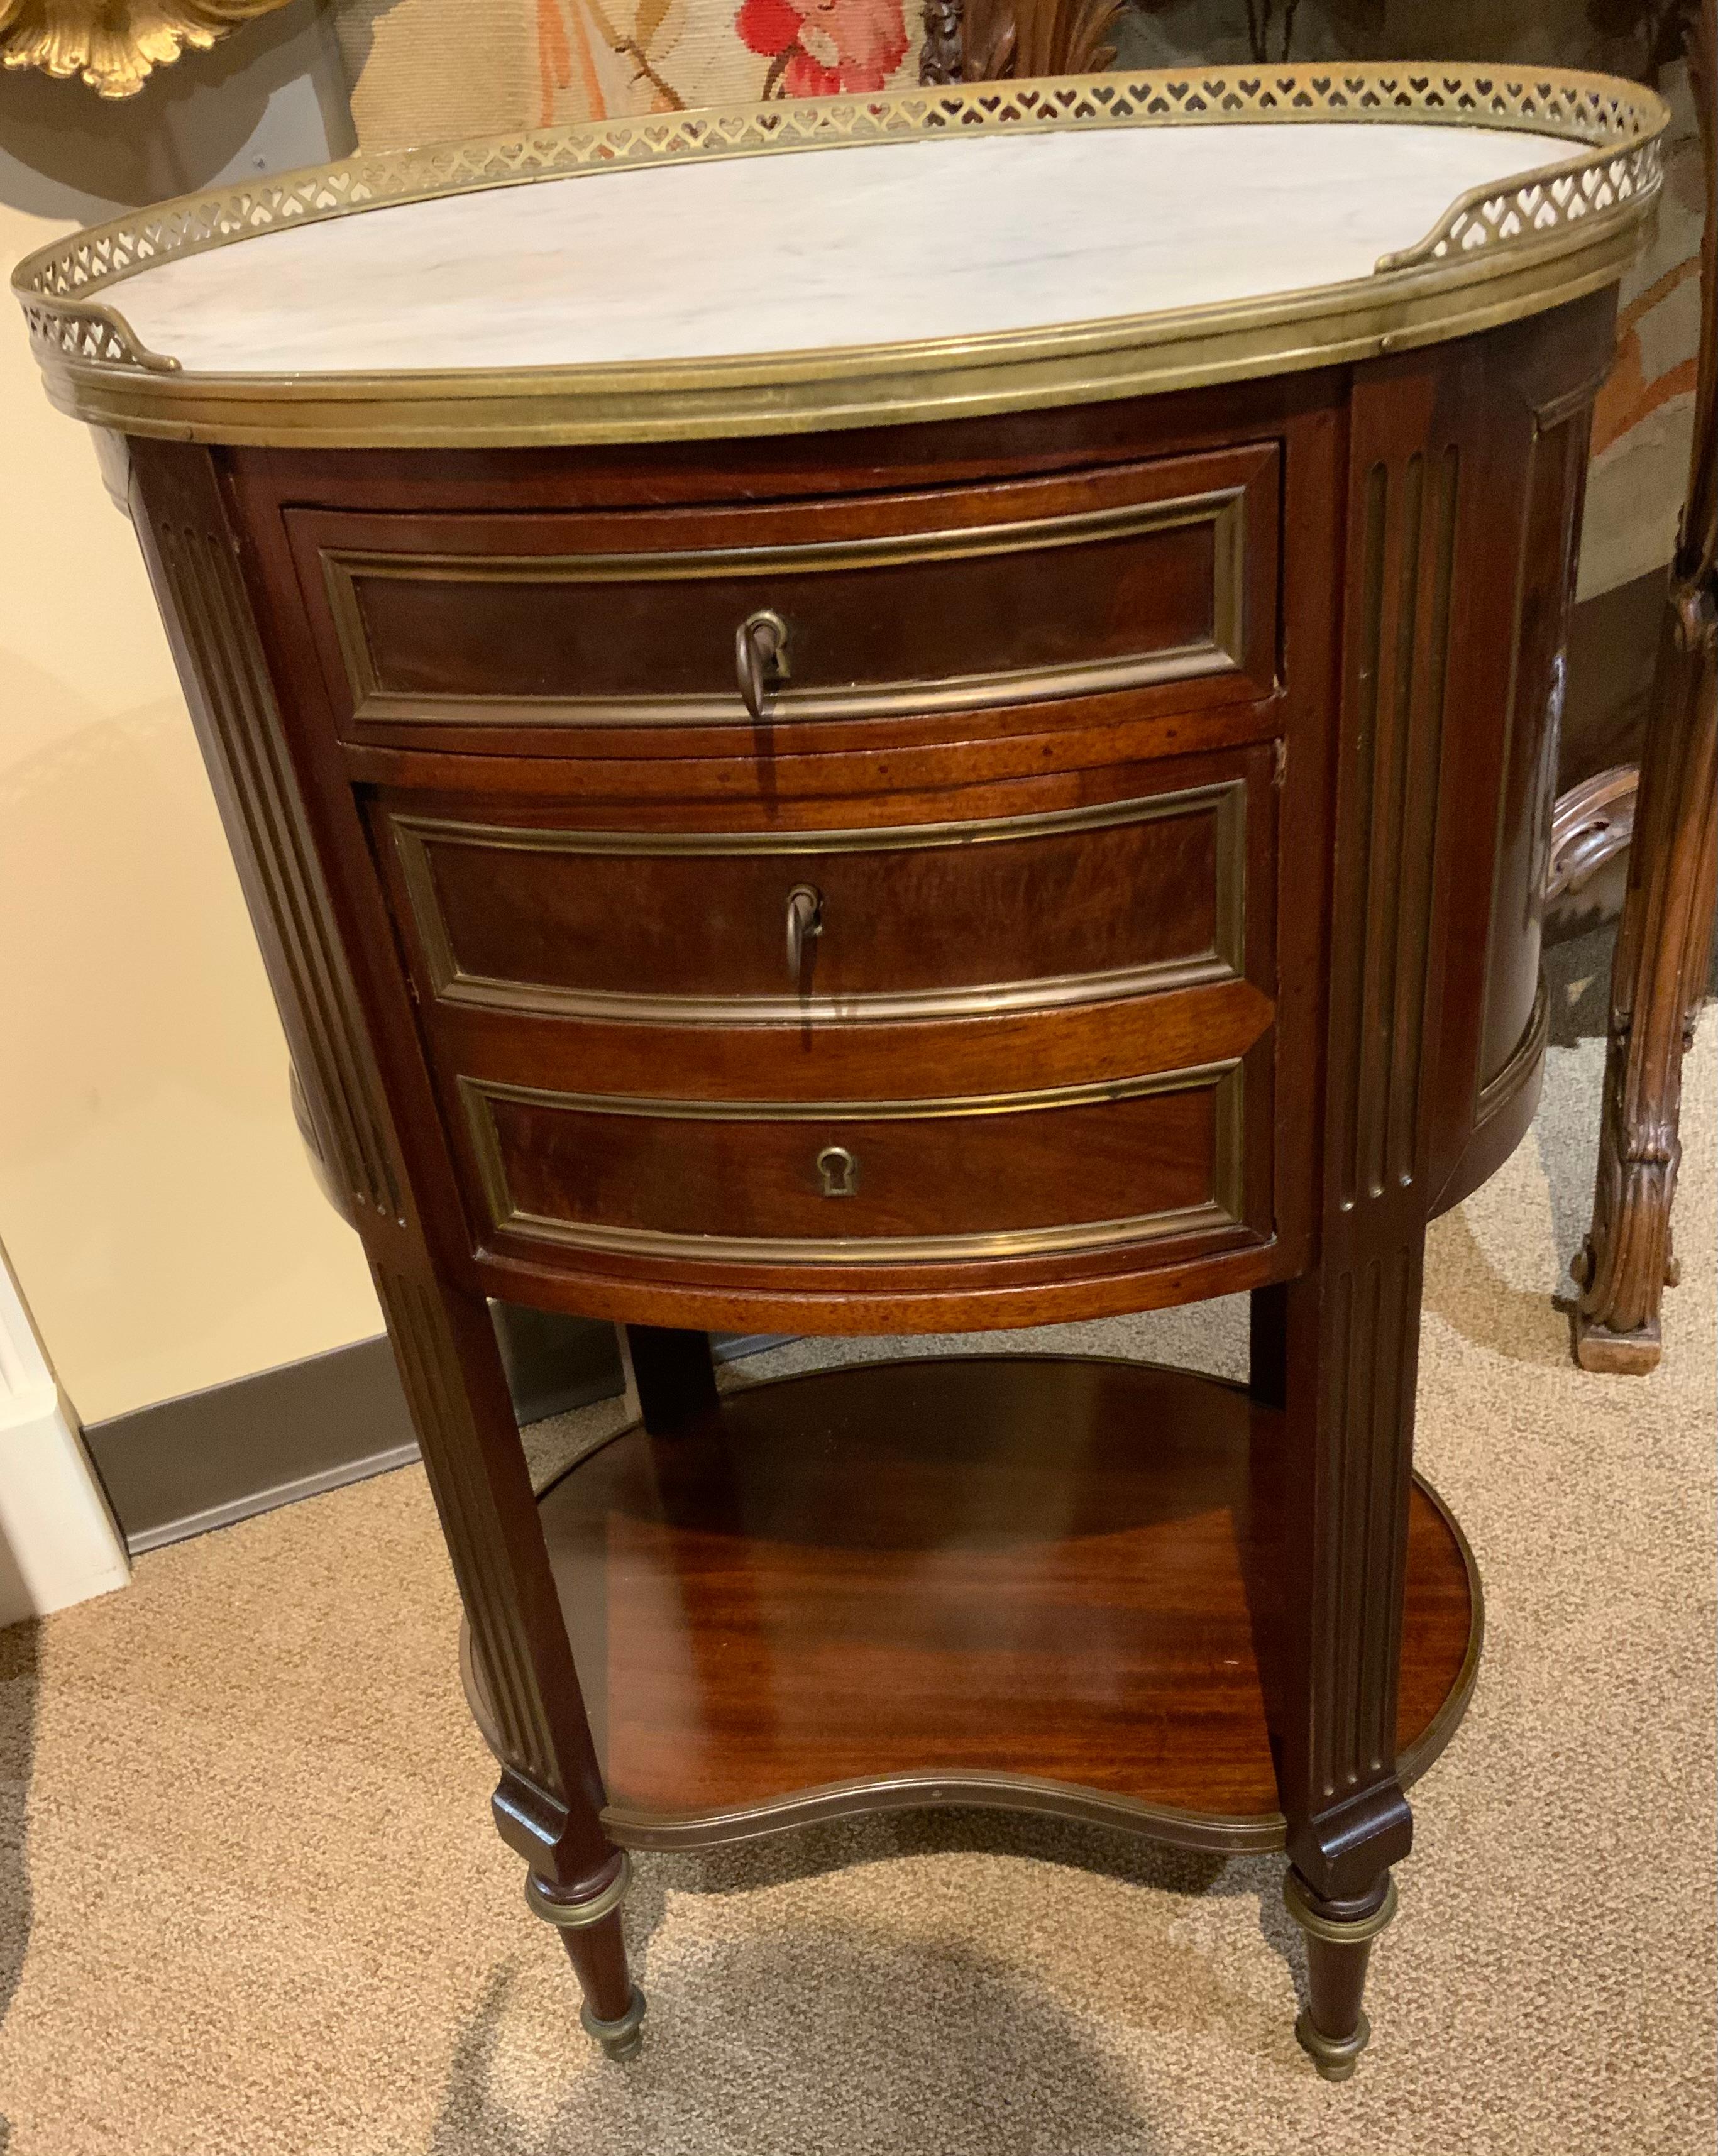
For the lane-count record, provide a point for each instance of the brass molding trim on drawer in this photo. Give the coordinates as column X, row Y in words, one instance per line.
column 1226, row 961
column 1224, row 508
column 1223, row 1210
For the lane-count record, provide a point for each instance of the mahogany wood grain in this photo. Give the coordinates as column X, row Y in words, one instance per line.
column 1512, row 406
column 577, row 1166
column 923, row 1581
column 1556, row 484
column 819, row 1059
column 1220, row 1605
column 546, row 915
column 546, row 1804
column 994, row 1295
column 897, row 500
column 1161, row 570
column 952, row 451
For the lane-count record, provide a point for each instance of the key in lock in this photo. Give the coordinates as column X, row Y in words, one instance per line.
column 838, row 1173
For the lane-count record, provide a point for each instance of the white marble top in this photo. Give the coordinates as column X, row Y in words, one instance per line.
column 871, row 243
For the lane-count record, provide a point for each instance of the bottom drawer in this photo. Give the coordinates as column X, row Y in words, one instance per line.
column 1082, row 1168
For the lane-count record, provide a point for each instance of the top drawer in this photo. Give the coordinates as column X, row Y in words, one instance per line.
column 949, row 599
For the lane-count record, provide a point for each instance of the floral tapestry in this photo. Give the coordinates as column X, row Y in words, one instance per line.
column 603, row 57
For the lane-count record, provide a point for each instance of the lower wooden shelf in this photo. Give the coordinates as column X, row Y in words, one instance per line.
column 1037, row 1583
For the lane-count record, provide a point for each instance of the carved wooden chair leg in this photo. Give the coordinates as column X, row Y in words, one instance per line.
column 1333, row 2028
column 1657, row 979
column 1663, row 944
column 613, row 2009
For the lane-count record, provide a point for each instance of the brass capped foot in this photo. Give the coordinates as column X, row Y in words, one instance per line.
column 1334, row 2056
column 1333, row 2030
column 590, row 1930
column 623, row 2038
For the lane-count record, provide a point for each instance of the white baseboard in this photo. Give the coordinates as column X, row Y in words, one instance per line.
column 58, row 1540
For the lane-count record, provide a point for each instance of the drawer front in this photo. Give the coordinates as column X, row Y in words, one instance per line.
column 1081, row 1168
column 921, row 920
column 945, row 600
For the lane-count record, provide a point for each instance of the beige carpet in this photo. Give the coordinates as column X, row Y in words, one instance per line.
column 256, row 1905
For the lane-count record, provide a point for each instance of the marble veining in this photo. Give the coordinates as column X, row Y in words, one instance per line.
column 868, row 244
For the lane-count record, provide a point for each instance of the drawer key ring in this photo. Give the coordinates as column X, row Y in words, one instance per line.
column 759, row 657
column 805, row 920
column 838, row 1170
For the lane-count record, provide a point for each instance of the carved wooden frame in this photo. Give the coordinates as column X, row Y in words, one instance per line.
column 997, row 40
column 117, row 50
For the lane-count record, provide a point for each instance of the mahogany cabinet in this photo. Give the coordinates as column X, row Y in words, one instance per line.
column 1009, row 859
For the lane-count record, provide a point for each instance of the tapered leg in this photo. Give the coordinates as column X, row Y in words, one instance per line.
column 1333, row 2028
column 614, row 2010
column 1268, row 1371
column 302, row 856
column 548, row 1803
column 1346, row 1353
column 673, row 1372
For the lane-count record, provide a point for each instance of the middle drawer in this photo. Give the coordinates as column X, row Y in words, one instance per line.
column 923, row 921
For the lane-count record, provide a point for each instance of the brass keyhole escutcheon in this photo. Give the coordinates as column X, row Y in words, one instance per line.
column 838, row 1171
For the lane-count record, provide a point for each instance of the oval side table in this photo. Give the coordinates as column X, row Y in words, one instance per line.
column 787, row 782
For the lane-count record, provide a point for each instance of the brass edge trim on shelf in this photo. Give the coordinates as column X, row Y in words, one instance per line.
column 1219, row 1833
column 87, row 332
column 1429, row 1746
column 1538, row 215
column 1541, row 199
column 414, row 833
column 637, row 1828
column 1225, row 1080
column 1224, row 509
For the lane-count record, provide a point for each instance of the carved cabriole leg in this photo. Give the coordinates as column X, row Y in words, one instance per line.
column 1657, row 977
column 548, row 1802
column 1665, row 940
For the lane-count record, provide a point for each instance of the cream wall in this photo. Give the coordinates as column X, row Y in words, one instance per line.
column 154, row 1196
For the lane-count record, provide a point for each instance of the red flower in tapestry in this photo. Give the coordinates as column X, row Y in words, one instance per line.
column 818, row 48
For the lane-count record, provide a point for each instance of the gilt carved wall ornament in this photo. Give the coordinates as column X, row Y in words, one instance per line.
column 115, row 45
